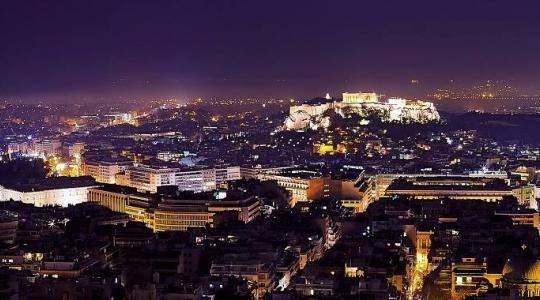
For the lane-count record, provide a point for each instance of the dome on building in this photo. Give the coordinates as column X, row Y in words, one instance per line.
column 522, row 269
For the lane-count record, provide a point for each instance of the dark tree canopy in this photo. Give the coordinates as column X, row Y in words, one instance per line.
column 22, row 170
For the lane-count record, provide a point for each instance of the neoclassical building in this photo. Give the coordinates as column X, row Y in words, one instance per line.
column 522, row 274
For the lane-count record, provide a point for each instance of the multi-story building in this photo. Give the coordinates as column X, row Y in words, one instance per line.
column 75, row 150
column 114, row 197
column 452, row 187
column 18, row 147
column 224, row 174
column 254, row 172
column 528, row 217
column 187, row 210
column 259, row 269
column 248, row 208
column 382, row 181
column 180, row 215
column 105, row 170
column 357, row 194
column 303, row 186
column 8, row 226
column 149, row 178
column 202, row 179
column 196, row 180
column 470, row 275
column 353, row 190
column 526, row 195
column 48, row 147
column 169, row 156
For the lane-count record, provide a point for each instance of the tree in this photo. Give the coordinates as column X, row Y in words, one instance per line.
column 23, row 170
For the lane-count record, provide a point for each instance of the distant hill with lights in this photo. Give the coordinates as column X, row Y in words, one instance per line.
column 316, row 113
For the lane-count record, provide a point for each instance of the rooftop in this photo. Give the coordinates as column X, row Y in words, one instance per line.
column 52, row 183
column 449, row 183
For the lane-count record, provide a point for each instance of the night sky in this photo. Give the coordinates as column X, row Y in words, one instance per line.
column 98, row 50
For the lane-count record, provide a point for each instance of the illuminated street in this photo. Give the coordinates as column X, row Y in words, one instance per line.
column 417, row 279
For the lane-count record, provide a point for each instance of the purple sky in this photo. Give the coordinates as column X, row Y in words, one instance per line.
column 65, row 50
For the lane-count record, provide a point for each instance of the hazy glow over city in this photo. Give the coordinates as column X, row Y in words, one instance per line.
column 278, row 150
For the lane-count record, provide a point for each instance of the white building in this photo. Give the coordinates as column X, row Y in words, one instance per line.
column 60, row 191
column 75, row 150
column 149, row 178
column 18, row 147
column 105, row 170
column 48, row 147
column 203, row 180
column 169, row 156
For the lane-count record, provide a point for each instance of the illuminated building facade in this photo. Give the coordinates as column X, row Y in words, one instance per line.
column 421, row 262
column 203, row 180
column 354, row 192
column 522, row 217
column 248, row 209
column 41, row 147
column 169, row 156
column 149, row 178
column 21, row 148
column 522, row 274
column 105, row 171
column 48, row 147
column 196, row 180
column 180, row 215
column 302, row 186
column 452, row 187
column 360, row 97
column 358, row 194
column 470, row 275
column 50, row 191
column 526, row 195
column 75, row 150
column 382, row 181
column 323, row 149
column 196, row 210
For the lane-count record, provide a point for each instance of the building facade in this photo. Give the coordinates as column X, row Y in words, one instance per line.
column 50, row 192
column 105, row 171
column 173, row 214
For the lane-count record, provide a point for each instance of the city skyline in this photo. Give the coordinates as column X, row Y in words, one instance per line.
column 98, row 51
column 269, row 150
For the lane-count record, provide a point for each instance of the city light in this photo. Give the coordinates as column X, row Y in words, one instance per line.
column 269, row 150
